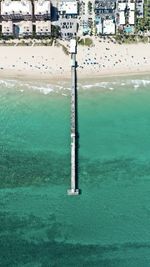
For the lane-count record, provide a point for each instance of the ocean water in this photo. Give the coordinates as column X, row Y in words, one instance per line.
column 109, row 223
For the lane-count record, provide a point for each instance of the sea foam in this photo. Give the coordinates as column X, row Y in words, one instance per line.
column 60, row 87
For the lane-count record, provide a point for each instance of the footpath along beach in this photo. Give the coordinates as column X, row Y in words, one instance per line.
column 50, row 62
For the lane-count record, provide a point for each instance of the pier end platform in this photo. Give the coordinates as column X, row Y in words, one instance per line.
column 73, row 192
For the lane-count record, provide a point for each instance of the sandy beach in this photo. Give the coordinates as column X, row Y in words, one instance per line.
column 104, row 58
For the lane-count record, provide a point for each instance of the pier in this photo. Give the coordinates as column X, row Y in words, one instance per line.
column 74, row 190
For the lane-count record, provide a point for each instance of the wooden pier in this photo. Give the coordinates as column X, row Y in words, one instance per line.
column 74, row 133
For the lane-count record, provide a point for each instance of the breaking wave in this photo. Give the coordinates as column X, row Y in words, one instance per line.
column 63, row 87
column 120, row 84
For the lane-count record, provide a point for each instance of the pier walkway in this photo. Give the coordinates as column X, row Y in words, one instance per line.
column 74, row 135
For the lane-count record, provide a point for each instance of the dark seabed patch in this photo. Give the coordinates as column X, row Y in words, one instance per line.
column 18, row 239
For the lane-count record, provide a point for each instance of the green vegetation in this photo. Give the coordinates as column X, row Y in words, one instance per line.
column 147, row 10
column 55, row 31
column 85, row 41
column 130, row 39
column 127, row 39
column 89, row 7
column 27, row 42
column 65, row 50
column 143, row 24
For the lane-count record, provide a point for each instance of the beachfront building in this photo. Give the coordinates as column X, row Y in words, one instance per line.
column 109, row 26
column 84, row 27
column 105, row 16
column 7, row 28
column 16, row 18
column 121, row 13
column 42, row 16
column 43, row 28
column 68, row 28
column 22, row 28
column 68, row 9
column 67, row 13
column 105, row 8
column 125, row 16
column 22, row 18
column 131, row 7
column 126, row 12
column 16, row 10
column 99, row 25
column 42, row 10
column 140, row 8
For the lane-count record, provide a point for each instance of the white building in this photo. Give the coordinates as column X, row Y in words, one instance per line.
column 131, row 11
column 15, row 8
column 131, row 17
column 109, row 26
column 73, row 45
column 68, row 28
column 140, row 8
column 68, row 7
column 121, row 6
column 99, row 28
column 131, row 6
column 22, row 28
column 42, row 7
column 7, row 28
column 121, row 18
column 43, row 27
column 121, row 9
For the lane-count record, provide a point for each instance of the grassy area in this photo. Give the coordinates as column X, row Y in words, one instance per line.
column 65, row 50
column 26, row 42
column 85, row 41
column 130, row 39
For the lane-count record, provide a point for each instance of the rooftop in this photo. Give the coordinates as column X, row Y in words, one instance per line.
column 68, row 7
column 16, row 7
column 42, row 7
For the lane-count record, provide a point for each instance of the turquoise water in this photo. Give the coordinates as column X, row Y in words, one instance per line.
column 109, row 223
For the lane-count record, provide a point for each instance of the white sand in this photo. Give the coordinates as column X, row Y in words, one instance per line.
column 43, row 62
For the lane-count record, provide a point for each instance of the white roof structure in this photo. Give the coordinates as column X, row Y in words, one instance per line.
column 25, row 28
column 121, row 6
column 16, row 7
column 131, row 6
column 131, row 18
column 68, row 7
column 7, row 27
column 122, row 18
column 73, row 45
column 99, row 28
column 42, row 7
column 109, row 26
column 43, row 27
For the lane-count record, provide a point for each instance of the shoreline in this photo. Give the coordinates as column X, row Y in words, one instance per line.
column 55, row 79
